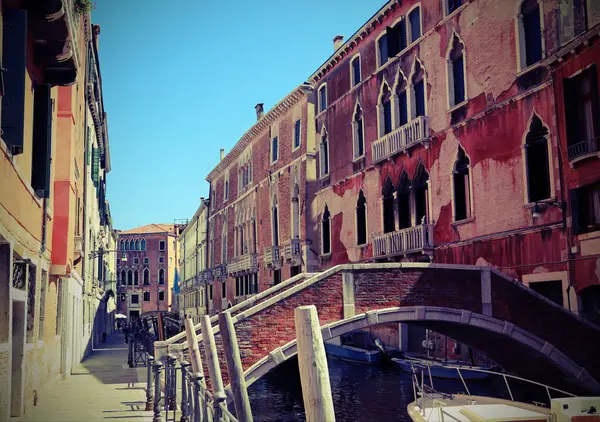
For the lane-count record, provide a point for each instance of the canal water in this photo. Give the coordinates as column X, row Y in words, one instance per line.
column 360, row 392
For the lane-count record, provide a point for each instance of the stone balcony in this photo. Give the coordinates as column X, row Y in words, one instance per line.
column 272, row 257
column 401, row 139
column 292, row 251
column 219, row 272
column 243, row 264
column 206, row 276
column 405, row 241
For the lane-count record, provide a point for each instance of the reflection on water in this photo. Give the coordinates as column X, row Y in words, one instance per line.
column 361, row 392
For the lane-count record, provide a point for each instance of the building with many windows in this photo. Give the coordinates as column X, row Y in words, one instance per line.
column 195, row 297
column 49, row 294
column 440, row 131
column 146, row 269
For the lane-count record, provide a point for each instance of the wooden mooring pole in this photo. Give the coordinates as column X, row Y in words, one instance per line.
column 312, row 361
column 234, row 368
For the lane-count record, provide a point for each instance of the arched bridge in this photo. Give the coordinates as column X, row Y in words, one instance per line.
column 520, row 329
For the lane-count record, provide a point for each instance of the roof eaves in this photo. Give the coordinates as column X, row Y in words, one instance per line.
column 277, row 110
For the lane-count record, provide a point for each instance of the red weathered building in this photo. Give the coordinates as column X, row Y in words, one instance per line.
column 576, row 68
column 433, row 134
column 146, row 269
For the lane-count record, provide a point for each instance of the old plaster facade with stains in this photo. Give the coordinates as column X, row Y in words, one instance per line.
column 436, row 133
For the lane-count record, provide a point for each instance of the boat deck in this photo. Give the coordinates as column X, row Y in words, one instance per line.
column 461, row 408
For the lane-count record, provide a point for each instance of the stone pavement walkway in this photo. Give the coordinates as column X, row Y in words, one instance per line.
column 101, row 388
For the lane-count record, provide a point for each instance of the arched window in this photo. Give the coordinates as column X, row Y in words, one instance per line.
column 401, row 100
column 137, row 245
column 324, row 153
column 384, row 108
column 326, row 232
column 461, row 186
column 456, row 72
column 530, row 42
column 451, row 5
column 130, row 278
column 122, row 243
column 538, row 170
column 224, row 244
column 123, row 278
column 146, row 277
column 143, row 244
column 161, row 276
column 358, row 132
column 389, row 222
column 135, row 278
column 403, row 200
column 420, row 189
column 295, row 212
column 275, row 222
column 127, row 245
column 361, row 219
column 418, row 96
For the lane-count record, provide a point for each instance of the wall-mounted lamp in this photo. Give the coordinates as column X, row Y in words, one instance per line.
column 536, row 210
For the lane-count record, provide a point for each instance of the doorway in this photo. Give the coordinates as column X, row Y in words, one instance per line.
column 18, row 344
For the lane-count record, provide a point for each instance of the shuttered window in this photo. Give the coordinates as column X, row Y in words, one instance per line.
column 42, row 141
column 95, row 165
column 14, row 48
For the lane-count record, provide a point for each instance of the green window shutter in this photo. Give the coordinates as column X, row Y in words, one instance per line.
column 95, row 165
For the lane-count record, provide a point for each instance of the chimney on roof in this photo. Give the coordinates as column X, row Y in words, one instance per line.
column 260, row 109
column 338, row 41
column 222, row 154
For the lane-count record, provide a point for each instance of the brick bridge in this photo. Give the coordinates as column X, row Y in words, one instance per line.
column 518, row 328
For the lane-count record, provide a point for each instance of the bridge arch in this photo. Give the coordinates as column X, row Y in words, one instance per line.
column 454, row 322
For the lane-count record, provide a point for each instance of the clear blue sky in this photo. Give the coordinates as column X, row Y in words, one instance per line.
column 181, row 80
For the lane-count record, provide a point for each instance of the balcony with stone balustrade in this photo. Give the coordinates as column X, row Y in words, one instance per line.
column 243, row 264
column 272, row 257
column 401, row 139
column 405, row 241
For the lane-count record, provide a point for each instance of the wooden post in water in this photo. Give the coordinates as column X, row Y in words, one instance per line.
column 235, row 369
column 312, row 361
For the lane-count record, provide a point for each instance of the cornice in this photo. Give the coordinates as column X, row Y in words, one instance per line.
column 268, row 118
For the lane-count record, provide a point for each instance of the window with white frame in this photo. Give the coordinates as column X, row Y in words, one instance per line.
column 418, row 94
column 322, row 98
column 414, row 24
column 274, row 149
column 382, row 49
column 297, row 133
column 355, row 74
column 538, row 168
column 396, row 37
column 456, row 72
column 324, row 154
column 358, row 129
column 161, row 276
column 400, row 99
column 162, row 245
column 361, row 219
column 451, row 5
column 326, row 232
column 296, row 212
column 384, row 110
column 226, row 186
column 275, row 222
column 530, row 27
column 461, row 186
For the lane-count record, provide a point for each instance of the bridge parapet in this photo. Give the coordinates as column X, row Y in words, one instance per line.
column 265, row 327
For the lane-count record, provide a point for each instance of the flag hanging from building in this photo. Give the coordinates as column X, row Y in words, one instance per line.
column 176, row 283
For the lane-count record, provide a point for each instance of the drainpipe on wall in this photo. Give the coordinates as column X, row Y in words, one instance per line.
column 562, row 184
column 44, row 223
column 207, row 243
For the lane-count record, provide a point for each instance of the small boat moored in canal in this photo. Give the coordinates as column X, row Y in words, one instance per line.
column 559, row 406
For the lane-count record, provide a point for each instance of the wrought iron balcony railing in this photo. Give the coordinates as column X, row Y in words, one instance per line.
column 583, row 149
column 400, row 139
column 410, row 240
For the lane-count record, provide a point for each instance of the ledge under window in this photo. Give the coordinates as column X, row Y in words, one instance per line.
column 458, row 106
column 529, row 69
column 463, row 221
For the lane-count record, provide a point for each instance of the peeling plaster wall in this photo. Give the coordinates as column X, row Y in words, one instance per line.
column 490, row 128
